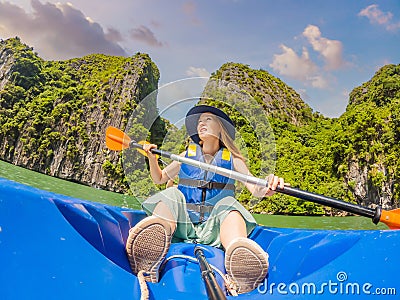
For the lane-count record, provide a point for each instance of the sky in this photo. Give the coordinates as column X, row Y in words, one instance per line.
column 322, row 49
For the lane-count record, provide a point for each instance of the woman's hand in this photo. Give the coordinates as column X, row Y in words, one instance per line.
column 160, row 176
column 257, row 190
column 147, row 148
column 273, row 183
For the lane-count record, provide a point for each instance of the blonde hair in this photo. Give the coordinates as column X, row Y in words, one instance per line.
column 227, row 142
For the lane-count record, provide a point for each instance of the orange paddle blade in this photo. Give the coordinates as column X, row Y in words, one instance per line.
column 391, row 218
column 116, row 139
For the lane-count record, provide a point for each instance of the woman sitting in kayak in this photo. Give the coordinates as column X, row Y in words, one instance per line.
column 202, row 209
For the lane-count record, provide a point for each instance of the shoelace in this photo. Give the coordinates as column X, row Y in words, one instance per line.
column 144, row 291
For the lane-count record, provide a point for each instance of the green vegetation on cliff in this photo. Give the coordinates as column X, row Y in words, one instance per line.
column 367, row 139
column 353, row 157
column 53, row 116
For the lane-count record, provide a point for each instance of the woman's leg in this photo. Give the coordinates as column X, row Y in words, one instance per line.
column 162, row 211
column 245, row 261
column 149, row 240
column 232, row 227
column 147, row 245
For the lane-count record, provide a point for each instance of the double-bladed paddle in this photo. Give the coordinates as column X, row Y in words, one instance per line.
column 118, row 140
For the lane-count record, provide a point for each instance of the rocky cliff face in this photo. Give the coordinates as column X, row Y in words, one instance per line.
column 278, row 99
column 371, row 124
column 54, row 115
column 6, row 62
column 366, row 193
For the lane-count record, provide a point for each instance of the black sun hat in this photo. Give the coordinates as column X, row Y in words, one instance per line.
column 193, row 115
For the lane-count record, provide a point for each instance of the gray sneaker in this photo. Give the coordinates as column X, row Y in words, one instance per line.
column 246, row 264
column 147, row 245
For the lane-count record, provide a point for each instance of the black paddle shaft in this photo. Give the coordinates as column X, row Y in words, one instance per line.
column 371, row 213
column 214, row 291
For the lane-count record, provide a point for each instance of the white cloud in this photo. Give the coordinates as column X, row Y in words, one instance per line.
column 57, row 31
column 345, row 93
column 303, row 68
column 114, row 35
column 376, row 16
column 331, row 50
column 290, row 64
column 197, row 72
column 393, row 27
column 145, row 35
column 298, row 67
column 189, row 9
column 318, row 81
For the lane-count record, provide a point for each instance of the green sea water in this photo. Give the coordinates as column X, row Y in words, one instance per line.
column 72, row 189
column 65, row 187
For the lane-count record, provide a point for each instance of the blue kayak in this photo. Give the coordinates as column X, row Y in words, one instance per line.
column 57, row 247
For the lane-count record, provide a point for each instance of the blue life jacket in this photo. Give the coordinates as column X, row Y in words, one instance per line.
column 203, row 189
